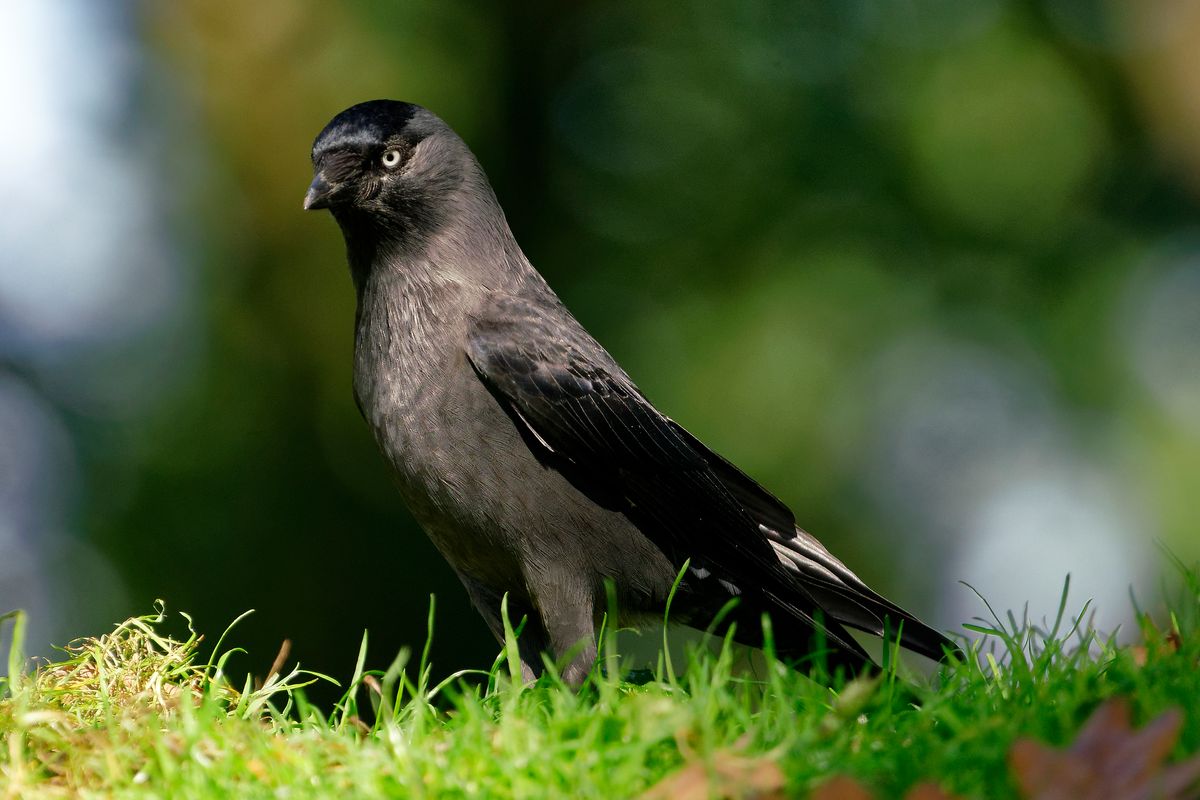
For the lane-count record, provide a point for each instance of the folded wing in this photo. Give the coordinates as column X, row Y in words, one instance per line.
column 581, row 414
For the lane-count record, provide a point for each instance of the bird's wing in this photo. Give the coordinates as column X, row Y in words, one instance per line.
column 582, row 414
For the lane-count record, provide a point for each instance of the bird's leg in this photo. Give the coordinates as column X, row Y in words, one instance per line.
column 580, row 665
column 532, row 640
column 559, row 621
column 568, row 619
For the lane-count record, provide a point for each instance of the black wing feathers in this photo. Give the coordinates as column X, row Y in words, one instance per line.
column 583, row 406
column 582, row 414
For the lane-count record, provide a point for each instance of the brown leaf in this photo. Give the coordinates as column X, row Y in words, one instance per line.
column 285, row 650
column 844, row 788
column 1108, row 761
column 1139, row 654
column 841, row 788
column 1155, row 642
column 726, row 775
column 928, row 791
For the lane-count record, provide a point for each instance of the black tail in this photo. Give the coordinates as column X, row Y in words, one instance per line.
column 850, row 602
column 824, row 582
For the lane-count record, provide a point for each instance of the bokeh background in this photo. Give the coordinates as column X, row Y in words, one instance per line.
column 930, row 271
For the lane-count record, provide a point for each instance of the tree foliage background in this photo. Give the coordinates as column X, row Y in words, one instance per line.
column 929, row 271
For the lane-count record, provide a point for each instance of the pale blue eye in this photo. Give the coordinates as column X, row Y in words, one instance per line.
column 391, row 159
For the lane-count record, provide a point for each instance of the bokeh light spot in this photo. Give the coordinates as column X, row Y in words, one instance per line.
column 1003, row 137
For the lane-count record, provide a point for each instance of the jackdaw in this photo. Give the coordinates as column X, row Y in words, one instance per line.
column 531, row 459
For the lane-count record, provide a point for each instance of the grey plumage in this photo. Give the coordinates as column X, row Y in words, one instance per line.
column 524, row 450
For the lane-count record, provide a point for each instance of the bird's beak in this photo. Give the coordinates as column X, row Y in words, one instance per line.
column 320, row 193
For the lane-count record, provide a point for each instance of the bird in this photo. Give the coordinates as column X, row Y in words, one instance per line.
column 536, row 466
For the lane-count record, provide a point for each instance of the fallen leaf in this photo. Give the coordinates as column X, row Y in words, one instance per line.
column 1155, row 642
column 1109, row 761
column 725, row 775
column 1140, row 654
column 844, row 788
column 928, row 791
column 841, row 788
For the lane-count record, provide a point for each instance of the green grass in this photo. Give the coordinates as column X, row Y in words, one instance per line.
column 136, row 714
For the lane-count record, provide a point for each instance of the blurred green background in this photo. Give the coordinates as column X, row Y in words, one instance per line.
column 929, row 271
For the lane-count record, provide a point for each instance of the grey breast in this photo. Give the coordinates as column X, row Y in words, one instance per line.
column 493, row 510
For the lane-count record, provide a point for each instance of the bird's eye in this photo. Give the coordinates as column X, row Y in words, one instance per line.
column 391, row 159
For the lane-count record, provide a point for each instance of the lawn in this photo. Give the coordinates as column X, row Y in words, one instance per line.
column 1037, row 709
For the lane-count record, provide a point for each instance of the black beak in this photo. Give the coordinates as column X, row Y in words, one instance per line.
column 320, row 194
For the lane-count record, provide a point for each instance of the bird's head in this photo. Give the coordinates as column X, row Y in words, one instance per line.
column 407, row 193
column 387, row 166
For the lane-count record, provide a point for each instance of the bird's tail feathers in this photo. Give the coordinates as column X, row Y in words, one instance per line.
column 850, row 602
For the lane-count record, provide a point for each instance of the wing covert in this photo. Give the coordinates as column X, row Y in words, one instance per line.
column 583, row 415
